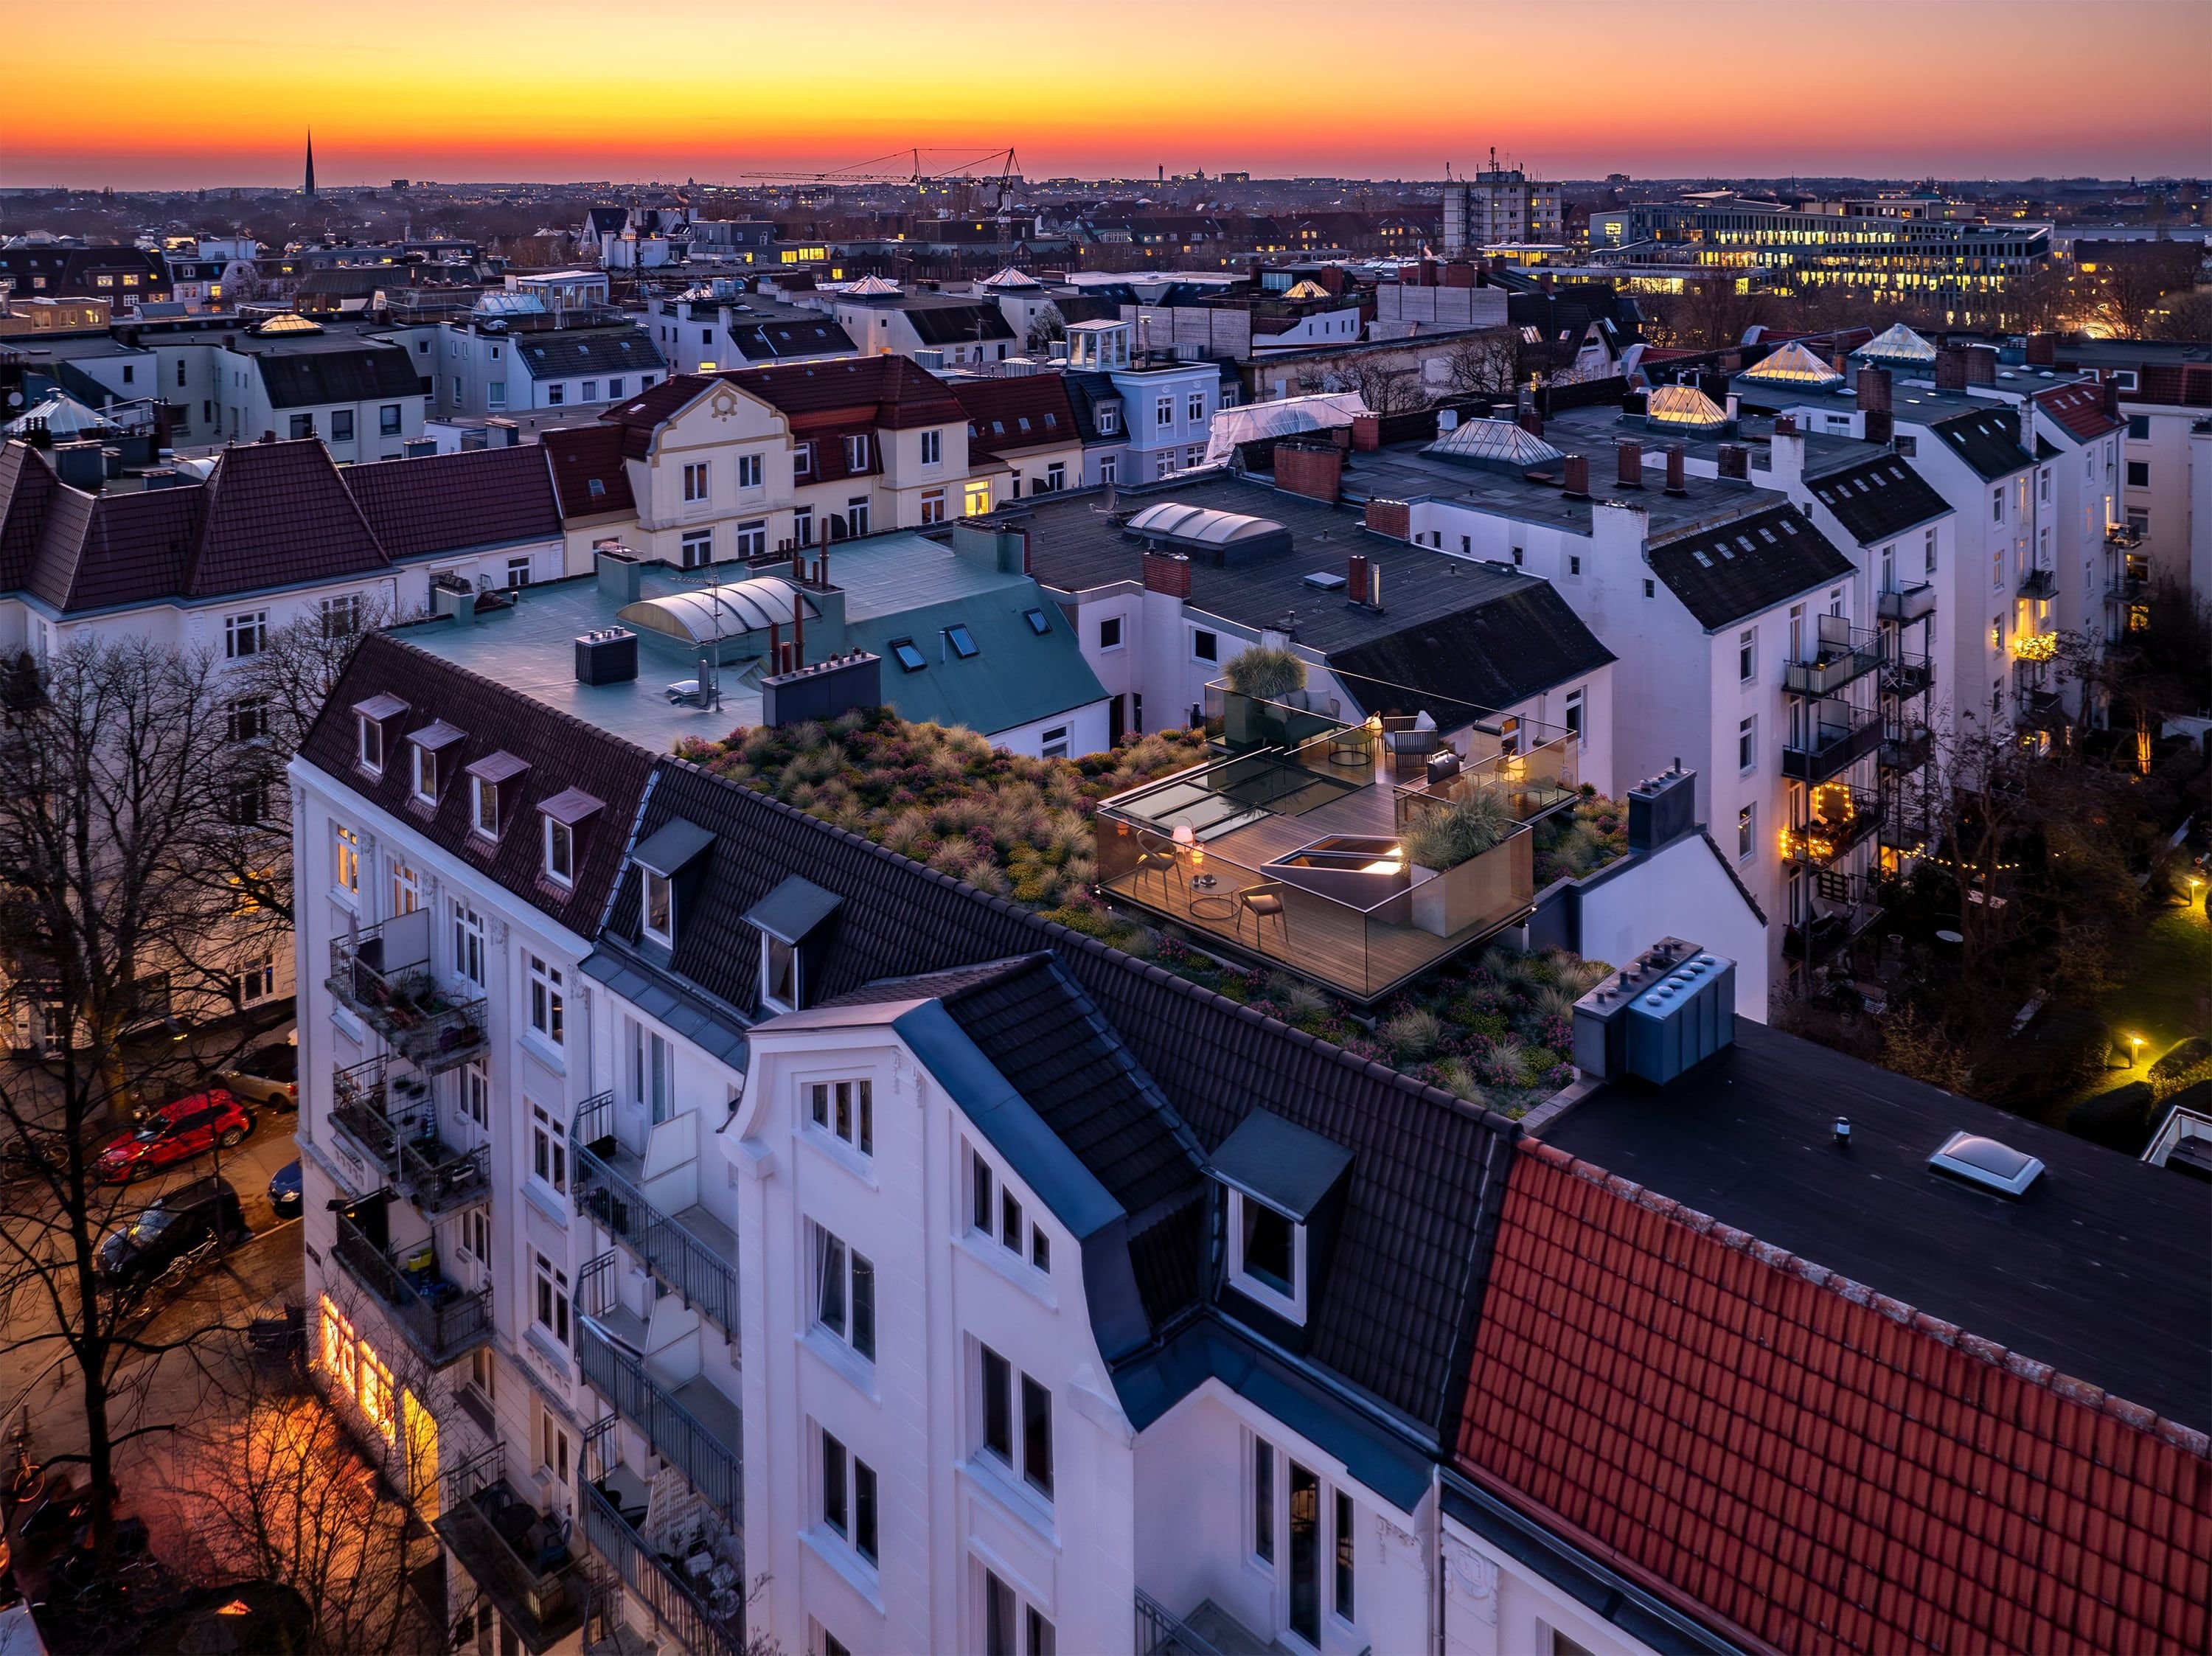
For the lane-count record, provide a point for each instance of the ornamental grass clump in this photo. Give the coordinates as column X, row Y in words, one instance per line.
column 1464, row 830
column 1265, row 673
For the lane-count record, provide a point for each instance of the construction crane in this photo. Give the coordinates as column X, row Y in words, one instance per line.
column 861, row 172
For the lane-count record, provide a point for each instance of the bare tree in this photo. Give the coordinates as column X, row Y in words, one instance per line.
column 1385, row 388
column 2132, row 282
column 1047, row 328
column 1487, row 364
column 116, row 774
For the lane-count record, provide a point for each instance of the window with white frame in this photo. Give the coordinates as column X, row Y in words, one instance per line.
column 846, row 1497
column 846, row 1110
column 933, row 448
column 257, row 981
column 1164, row 413
column 483, row 807
column 779, row 974
column 1205, row 645
column 995, row 1212
column 476, row 1092
column 560, row 853
column 657, row 912
column 548, row 1016
column 651, row 1071
column 696, row 549
column 1747, row 831
column 844, row 1291
column 933, row 506
column 245, row 634
column 1747, row 655
column 406, row 888
column 752, row 538
column 1267, row 1256
column 340, row 615
column 549, row 1302
column 246, row 717
column 368, row 748
column 752, row 471
column 856, row 452
column 552, row 1446
column 1015, row 1420
column 1747, row 744
column 802, row 460
column 548, row 1149
column 1012, row 1625
column 1197, row 411
column 1053, row 743
column 427, row 778
column 1299, row 1521
column 346, row 864
column 1575, row 716
column 468, row 943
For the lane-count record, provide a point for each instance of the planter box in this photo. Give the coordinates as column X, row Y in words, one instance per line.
column 1484, row 890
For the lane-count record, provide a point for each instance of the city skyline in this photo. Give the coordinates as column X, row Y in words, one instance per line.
column 219, row 105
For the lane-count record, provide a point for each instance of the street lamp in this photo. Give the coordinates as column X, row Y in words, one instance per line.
column 2134, row 1050
column 2195, row 885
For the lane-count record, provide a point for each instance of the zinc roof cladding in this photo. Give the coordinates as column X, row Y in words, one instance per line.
column 580, row 456
column 1087, row 392
column 1425, row 1166
column 310, row 372
column 572, row 351
column 1876, row 497
column 1803, row 1460
column 2078, row 409
column 445, row 503
column 1284, row 1165
column 1036, row 398
column 2096, row 1272
column 1732, row 570
column 764, row 341
column 563, row 753
column 1987, row 440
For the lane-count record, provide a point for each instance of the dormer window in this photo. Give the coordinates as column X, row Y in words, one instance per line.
column 371, row 753
column 790, row 920
column 669, row 863
column 495, row 786
column 485, row 807
column 432, row 763
column 563, row 816
column 560, row 853
column 1285, row 1190
column 369, row 719
column 660, row 907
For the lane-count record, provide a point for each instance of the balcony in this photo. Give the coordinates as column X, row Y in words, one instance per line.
column 1904, row 677
column 1843, row 818
column 360, row 1094
column 1842, row 655
column 702, row 1617
column 440, row 1179
column 518, row 1558
column 1839, row 735
column 440, row 1319
column 386, row 982
column 1826, row 936
column 2126, row 537
column 1912, row 605
column 1208, row 1630
column 2040, row 583
column 693, row 1254
column 2041, row 709
column 1296, row 856
column 1906, row 747
column 693, row 1426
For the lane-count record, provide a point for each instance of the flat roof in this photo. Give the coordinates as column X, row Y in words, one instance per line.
column 2098, row 1270
column 1604, row 425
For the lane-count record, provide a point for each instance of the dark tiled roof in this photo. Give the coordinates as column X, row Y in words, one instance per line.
column 119, row 548
column 1009, row 416
column 762, row 341
column 28, row 487
column 2177, row 385
column 568, row 352
column 1085, row 392
column 957, row 324
column 579, row 456
column 1988, row 440
column 900, row 393
column 2081, row 409
column 1877, row 497
column 444, row 502
column 278, row 513
column 562, row 753
column 1806, row 1460
column 1495, row 652
column 1726, row 572
column 306, row 377
column 1399, row 1306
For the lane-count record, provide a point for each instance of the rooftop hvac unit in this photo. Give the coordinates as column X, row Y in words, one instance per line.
column 607, row 657
column 1671, row 1010
column 932, row 360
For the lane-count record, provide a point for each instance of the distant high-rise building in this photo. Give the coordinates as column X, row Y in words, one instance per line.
column 1500, row 204
column 308, row 188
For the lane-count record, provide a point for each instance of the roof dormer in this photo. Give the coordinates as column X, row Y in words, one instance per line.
column 1283, row 1187
column 670, row 863
column 434, row 760
column 373, row 730
column 495, row 793
column 792, row 920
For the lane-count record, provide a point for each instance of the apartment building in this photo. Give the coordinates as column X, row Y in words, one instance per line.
column 986, row 1289
column 722, row 325
column 1022, row 433
column 2164, row 392
column 941, row 331
column 1165, row 407
column 1499, row 204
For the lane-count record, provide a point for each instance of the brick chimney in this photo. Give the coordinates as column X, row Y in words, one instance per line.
column 1629, row 459
column 1735, row 463
column 1675, row 481
column 1366, row 433
column 1167, row 573
column 1981, row 365
column 1531, row 422
column 1950, row 369
column 2112, row 390
column 2042, row 350
column 1355, row 578
column 1391, row 517
column 1577, row 475
column 1313, row 470
column 1874, row 390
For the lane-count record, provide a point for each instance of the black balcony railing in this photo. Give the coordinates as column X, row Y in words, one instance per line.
column 1904, row 676
column 2039, row 583
column 1841, row 654
column 1843, row 817
column 2041, row 709
column 1906, row 748
column 431, row 1028
column 708, row 1456
column 683, row 1262
column 1162, row 1632
column 440, row 1319
column 2126, row 537
column 520, row 1559
column 699, row 1626
column 358, row 1095
column 1913, row 603
column 1839, row 736
column 439, row 1178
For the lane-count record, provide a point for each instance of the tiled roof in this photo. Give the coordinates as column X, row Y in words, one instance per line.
column 1987, row 440
column 351, row 373
column 444, row 502
column 2081, row 409
column 1806, row 1461
column 761, row 342
column 567, row 352
column 957, row 324
column 1398, row 1308
column 901, row 394
column 2178, row 385
column 1729, row 571
column 1877, row 497
column 580, row 456
column 563, row 753
column 278, row 513
column 28, row 487
column 1495, row 652
column 1009, row 416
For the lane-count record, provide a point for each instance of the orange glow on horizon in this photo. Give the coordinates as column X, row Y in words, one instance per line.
column 560, row 90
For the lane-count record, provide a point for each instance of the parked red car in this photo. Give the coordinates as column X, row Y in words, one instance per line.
column 177, row 1132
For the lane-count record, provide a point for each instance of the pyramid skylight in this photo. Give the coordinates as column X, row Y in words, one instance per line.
column 1897, row 343
column 1684, row 406
column 1792, row 365
column 1494, row 439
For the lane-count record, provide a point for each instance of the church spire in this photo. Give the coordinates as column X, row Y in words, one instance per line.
column 309, row 190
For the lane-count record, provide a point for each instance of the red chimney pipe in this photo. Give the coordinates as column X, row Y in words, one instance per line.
column 798, row 630
column 1577, row 475
column 1675, row 484
column 774, row 647
column 1355, row 580
column 1629, row 459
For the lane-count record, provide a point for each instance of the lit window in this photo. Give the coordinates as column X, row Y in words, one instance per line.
column 660, row 907
column 347, row 870
column 370, row 749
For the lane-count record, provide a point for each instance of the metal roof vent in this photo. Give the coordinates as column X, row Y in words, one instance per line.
column 1985, row 1163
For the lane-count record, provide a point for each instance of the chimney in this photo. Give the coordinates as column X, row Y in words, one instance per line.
column 2111, row 390
column 1366, row 433
column 268, row 436
column 1531, row 422
column 1981, row 365
column 1355, row 579
column 1167, row 573
column 1375, row 588
column 1546, row 280
column 1786, row 425
column 1313, row 470
column 1628, row 455
column 1577, row 477
column 798, row 629
column 1662, row 810
column 618, row 571
column 1392, row 518
column 1735, row 463
column 1874, row 390
column 2042, row 350
column 1785, row 455
column 80, row 465
column 1676, row 485
column 1950, row 369
column 1878, row 426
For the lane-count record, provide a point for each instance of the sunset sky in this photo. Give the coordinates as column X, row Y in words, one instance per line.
column 563, row 90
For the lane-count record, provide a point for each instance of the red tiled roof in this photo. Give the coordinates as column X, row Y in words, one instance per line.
column 444, row 502
column 2180, row 385
column 579, row 454
column 2081, row 409
column 277, row 514
column 997, row 407
column 901, row 394
column 1807, row 1463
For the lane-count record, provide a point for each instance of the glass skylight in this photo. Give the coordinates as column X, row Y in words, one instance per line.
column 1897, row 343
column 1494, row 439
column 1792, row 365
column 1684, row 406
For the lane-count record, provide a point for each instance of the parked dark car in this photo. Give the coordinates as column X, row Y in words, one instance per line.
column 177, row 1132
column 284, row 1189
column 173, row 1237
column 269, row 1076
